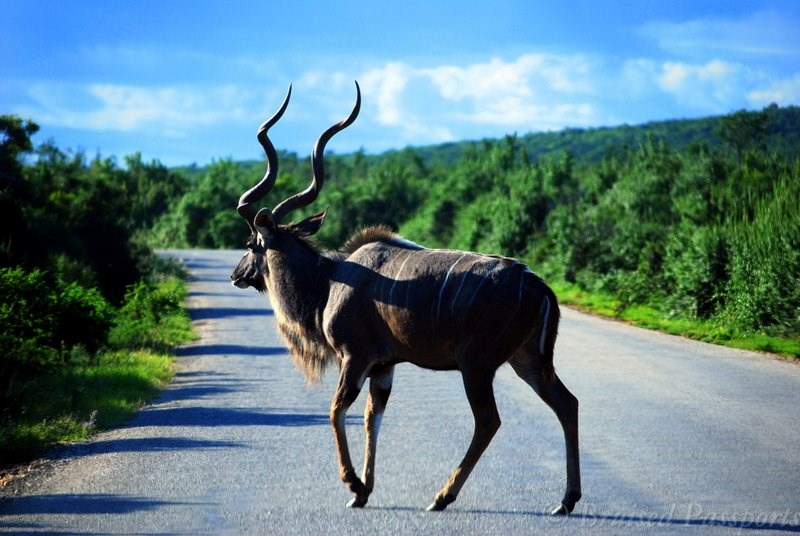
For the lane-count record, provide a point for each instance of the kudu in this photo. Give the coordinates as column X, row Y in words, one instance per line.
column 382, row 300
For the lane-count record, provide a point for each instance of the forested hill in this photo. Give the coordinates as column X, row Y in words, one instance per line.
column 778, row 131
column 781, row 134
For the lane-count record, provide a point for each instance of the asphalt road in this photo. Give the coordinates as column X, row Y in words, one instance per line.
column 677, row 437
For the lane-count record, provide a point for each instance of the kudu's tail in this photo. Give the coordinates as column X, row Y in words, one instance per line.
column 551, row 315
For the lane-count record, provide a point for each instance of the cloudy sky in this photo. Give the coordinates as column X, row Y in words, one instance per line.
column 189, row 81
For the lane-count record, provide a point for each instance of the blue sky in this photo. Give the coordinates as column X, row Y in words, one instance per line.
column 190, row 81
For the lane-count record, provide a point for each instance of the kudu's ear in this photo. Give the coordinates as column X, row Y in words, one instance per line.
column 265, row 223
column 310, row 225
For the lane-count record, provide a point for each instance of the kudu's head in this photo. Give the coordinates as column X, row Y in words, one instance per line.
column 266, row 228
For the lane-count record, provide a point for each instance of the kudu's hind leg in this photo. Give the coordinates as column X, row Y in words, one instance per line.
column 478, row 386
column 528, row 366
column 380, row 387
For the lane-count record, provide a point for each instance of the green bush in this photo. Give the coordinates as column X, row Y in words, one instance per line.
column 45, row 324
column 763, row 292
column 696, row 270
column 147, row 316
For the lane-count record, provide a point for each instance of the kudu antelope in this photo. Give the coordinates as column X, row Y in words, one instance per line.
column 382, row 300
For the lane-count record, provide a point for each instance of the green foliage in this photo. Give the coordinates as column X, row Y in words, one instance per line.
column 44, row 324
column 70, row 245
column 75, row 218
column 744, row 130
column 152, row 316
column 764, row 283
column 196, row 218
column 60, row 385
column 385, row 194
column 699, row 234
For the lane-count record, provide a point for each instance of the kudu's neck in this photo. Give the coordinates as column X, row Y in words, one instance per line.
column 299, row 281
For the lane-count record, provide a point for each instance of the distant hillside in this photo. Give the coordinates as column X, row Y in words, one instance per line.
column 591, row 144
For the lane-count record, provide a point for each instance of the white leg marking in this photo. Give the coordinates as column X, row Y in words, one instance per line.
column 444, row 285
column 543, row 334
column 376, row 427
column 340, row 419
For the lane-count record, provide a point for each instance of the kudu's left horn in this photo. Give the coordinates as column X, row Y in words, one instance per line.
column 257, row 192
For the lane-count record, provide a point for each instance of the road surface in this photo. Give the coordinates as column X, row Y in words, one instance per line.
column 677, row 437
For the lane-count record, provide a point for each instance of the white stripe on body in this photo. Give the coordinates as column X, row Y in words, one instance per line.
column 464, row 278
column 396, row 278
column 521, row 284
column 475, row 292
column 444, row 285
column 543, row 334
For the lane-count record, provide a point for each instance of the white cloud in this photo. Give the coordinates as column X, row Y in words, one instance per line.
column 638, row 77
column 387, row 86
column 108, row 107
column 786, row 91
column 713, row 85
column 526, row 77
column 534, row 91
column 390, row 87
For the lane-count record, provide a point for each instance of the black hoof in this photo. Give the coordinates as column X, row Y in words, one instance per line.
column 440, row 503
column 357, row 502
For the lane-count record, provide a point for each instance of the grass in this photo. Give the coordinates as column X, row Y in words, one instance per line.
column 650, row 318
column 101, row 391
column 72, row 405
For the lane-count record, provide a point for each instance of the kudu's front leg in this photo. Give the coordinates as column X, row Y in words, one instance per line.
column 380, row 387
column 351, row 380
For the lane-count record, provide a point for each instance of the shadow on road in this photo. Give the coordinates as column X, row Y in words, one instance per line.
column 217, row 416
column 159, row 444
column 198, row 264
column 86, row 503
column 206, row 313
column 228, row 349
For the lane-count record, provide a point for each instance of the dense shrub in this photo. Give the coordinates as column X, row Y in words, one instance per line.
column 145, row 319
column 70, row 245
column 45, row 324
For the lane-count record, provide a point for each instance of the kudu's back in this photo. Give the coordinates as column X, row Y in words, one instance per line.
column 435, row 307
